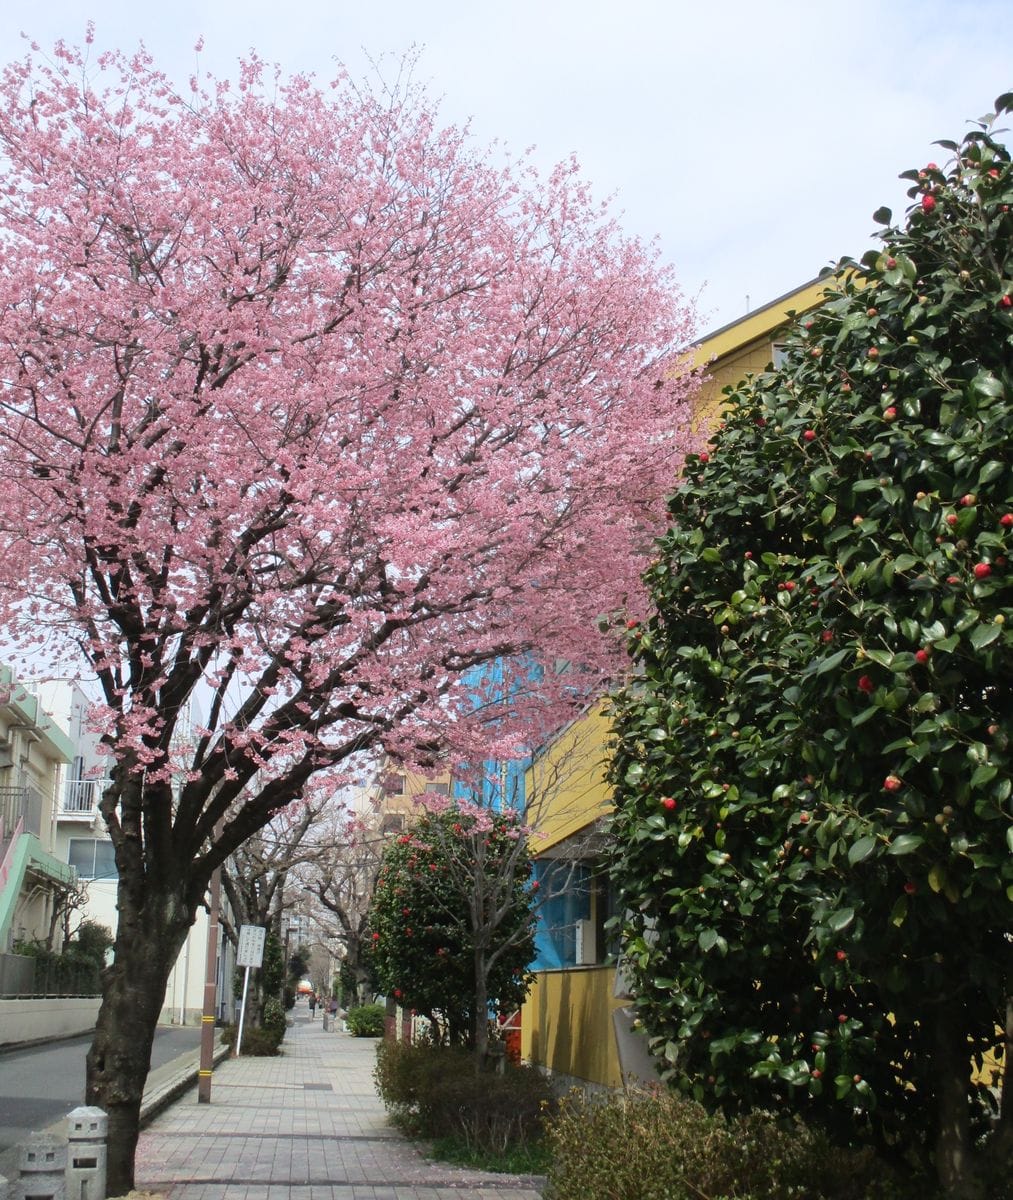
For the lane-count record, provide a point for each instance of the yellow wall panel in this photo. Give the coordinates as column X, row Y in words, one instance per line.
column 566, row 1025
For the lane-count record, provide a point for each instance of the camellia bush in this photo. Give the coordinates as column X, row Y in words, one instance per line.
column 813, row 772
column 452, row 922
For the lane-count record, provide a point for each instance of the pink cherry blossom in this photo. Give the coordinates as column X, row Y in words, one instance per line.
column 308, row 408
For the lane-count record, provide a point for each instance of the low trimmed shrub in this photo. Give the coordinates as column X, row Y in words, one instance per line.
column 261, row 1041
column 367, row 1020
column 258, row 1042
column 436, row 1092
column 660, row 1146
column 274, row 1022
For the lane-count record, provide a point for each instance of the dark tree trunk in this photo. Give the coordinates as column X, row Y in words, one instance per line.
column 954, row 1153
column 480, row 1013
column 146, row 947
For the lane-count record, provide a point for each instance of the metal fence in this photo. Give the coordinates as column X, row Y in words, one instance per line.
column 82, row 796
column 24, row 802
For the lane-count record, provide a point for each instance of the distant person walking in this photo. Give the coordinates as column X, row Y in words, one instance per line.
column 313, row 1004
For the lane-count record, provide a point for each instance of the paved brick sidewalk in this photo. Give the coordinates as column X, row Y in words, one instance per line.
column 304, row 1126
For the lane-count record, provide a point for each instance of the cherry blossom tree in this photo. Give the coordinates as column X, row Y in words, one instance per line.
column 307, row 408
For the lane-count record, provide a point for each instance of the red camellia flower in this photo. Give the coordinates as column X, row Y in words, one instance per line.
column 892, row 783
column 865, row 684
column 890, row 414
column 922, row 656
column 1006, row 520
column 928, row 203
column 816, row 1073
column 982, row 570
column 376, row 937
column 841, row 956
column 1006, row 302
column 705, row 457
column 910, row 888
column 809, row 435
column 842, row 1017
column 668, row 802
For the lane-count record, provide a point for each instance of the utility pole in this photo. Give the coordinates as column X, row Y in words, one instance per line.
column 207, row 1029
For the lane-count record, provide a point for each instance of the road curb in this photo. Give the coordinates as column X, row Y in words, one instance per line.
column 179, row 1076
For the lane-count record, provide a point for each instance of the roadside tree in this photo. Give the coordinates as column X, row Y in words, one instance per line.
column 307, row 410
column 341, row 878
column 254, row 881
column 452, row 920
column 814, row 775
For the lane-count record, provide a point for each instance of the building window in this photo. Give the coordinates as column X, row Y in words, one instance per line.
column 778, row 354
column 93, row 858
column 392, row 823
column 442, row 788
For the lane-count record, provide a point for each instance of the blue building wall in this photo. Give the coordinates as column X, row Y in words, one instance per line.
column 499, row 786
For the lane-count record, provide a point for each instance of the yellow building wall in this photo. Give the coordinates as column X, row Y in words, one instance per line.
column 745, row 347
column 565, row 787
column 566, row 1024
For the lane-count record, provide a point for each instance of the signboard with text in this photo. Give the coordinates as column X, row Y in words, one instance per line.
column 250, row 952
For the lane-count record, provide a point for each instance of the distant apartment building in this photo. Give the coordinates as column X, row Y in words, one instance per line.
column 34, row 755
column 58, row 784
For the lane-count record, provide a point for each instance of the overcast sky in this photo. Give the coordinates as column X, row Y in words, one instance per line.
column 752, row 138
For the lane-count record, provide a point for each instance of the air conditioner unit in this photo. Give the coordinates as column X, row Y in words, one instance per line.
column 586, row 952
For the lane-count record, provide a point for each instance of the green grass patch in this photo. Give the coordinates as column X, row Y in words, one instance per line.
column 533, row 1158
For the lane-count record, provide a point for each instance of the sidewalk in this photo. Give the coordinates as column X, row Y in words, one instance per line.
column 307, row 1125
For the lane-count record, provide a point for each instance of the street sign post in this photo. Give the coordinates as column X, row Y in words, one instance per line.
column 250, row 953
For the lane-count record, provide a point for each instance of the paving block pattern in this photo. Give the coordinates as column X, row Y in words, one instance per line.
column 307, row 1125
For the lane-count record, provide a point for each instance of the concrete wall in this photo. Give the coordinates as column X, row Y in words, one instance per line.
column 41, row 1019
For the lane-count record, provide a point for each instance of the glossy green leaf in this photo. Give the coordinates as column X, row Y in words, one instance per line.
column 841, row 919
column 861, row 850
column 906, row 843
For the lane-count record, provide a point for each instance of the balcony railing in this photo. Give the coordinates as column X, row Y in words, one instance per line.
column 80, row 797
column 23, row 803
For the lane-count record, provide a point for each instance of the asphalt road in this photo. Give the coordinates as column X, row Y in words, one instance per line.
column 41, row 1084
